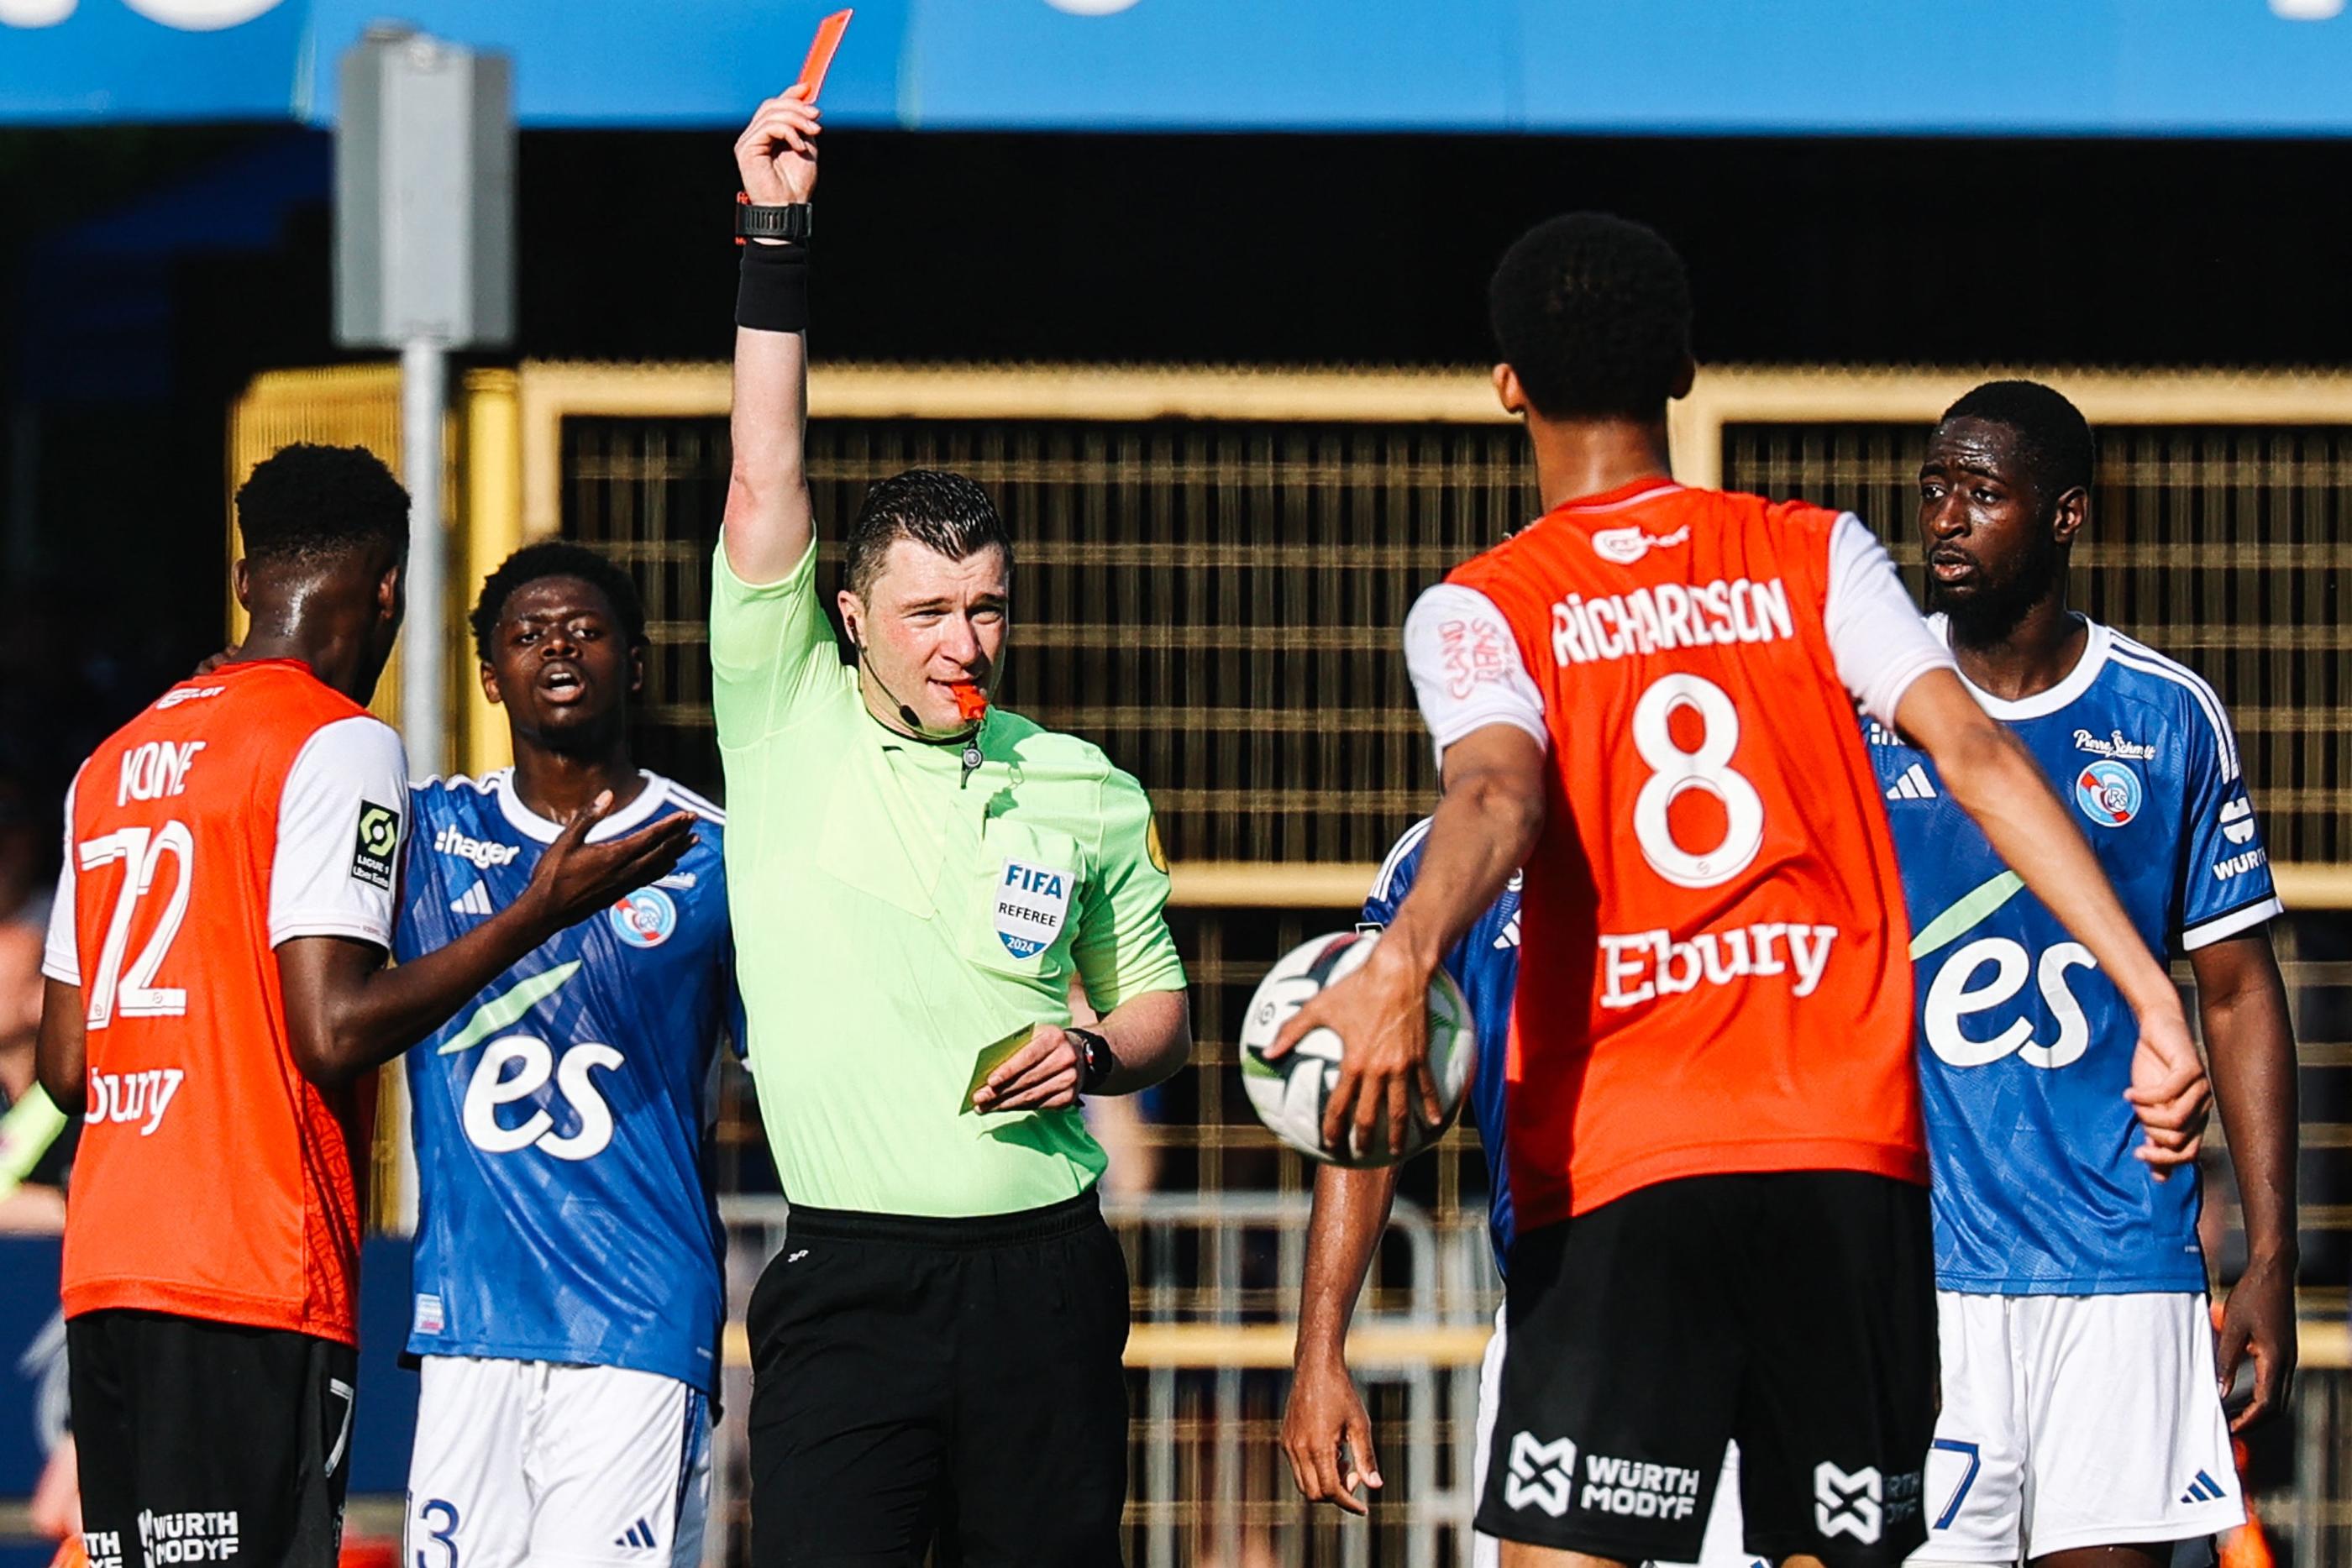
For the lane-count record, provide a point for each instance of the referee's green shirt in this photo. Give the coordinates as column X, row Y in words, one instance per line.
column 896, row 925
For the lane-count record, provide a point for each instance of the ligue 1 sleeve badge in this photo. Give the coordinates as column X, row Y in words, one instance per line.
column 645, row 918
column 2108, row 792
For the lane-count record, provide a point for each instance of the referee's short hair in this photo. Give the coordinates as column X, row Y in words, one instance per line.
column 1593, row 313
column 2053, row 437
column 938, row 510
column 307, row 503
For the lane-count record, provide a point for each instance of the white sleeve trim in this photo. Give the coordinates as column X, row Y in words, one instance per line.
column 1877, row 638
column 2243, row 918
column 1466, row 667
column 320, row 884
column 60, row 950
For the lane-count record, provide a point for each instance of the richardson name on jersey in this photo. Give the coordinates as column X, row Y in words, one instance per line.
column 1669, row 615
column 1641, row 965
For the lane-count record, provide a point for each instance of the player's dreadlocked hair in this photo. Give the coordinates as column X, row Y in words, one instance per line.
column 555, row 557
column 2053, row 437
column 941, row 511
column 307, row 503
column 1594, row 314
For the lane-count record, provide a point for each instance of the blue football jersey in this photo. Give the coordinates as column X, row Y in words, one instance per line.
column 564, row 1206
column 1485, row 965
column 2025, row 1047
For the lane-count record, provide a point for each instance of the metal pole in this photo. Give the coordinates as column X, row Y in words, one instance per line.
column 424, row 637
column 423, row 654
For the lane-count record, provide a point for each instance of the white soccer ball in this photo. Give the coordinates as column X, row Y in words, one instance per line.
column 1290, row 1093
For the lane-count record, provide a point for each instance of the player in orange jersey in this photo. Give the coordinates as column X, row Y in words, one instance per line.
column 1647, row 699
column 216, row 999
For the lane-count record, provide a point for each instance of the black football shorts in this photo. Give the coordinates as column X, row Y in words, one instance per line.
column 1794, row 1313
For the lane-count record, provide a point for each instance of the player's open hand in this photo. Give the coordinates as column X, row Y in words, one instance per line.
column 2170, row 1091
column 574, row 878
column 1380, row 1014
column 1328, row 1436
column 1043, row 1075
column 776, row 154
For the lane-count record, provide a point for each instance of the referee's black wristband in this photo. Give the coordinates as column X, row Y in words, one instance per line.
column 771, row 295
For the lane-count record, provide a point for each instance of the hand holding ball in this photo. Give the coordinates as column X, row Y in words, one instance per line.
column 1331, row 1106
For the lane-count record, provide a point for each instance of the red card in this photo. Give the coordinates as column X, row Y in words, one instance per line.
column 820, row 55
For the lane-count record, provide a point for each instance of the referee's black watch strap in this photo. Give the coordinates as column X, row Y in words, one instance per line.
column 1096, row 1063
column 790, row 222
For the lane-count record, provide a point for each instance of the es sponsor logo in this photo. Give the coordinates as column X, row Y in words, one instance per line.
column 1962, row 988
column 480, row 853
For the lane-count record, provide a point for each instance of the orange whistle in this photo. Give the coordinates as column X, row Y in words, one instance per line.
column 971, row 703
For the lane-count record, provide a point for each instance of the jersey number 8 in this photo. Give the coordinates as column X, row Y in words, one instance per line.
column 1706, row 769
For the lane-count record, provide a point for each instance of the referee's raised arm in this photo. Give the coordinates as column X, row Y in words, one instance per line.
column 769, row 523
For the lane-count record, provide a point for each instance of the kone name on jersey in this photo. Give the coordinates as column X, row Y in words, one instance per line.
column 1669, row 615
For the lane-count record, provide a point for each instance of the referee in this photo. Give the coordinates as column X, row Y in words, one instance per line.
column 917, row 879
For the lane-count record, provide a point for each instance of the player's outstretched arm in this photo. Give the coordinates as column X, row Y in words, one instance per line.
column 1484, row 824
column 770, row 523
column 1997, row 781
column 346, row 1014
column 2247, row 1029
column 1326, row 1432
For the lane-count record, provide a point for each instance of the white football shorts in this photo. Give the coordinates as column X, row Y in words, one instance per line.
column 556, row 1466
column 2073, row 1421
column 1721, row 1549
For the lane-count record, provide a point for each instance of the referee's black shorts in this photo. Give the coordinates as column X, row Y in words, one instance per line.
column 948, row 1383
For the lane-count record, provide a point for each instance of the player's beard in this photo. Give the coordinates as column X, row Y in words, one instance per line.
column 1992, row 607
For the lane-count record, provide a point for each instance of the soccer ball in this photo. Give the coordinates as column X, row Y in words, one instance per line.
column 1291, row 1092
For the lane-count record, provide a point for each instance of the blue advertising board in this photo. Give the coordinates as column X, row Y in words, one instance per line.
column 2153, row 67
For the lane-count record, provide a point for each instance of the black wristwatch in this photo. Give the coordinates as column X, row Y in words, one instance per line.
column 1096, row 1063
column 791, row 222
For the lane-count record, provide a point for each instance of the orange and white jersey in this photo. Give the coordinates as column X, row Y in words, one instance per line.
column 1715, row 976
column 238, row 812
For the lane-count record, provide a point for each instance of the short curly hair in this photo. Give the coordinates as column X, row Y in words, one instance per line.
column 1593, row 313
column 2053, row 437
column 555, row 557
column 938, row 510
column 307, row 503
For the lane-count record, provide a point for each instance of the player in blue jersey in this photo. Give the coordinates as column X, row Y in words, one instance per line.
column 2082, row 1416
column 568, row 1298
column 1326, row 1432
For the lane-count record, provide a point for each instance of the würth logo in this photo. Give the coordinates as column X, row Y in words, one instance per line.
column 1542, row 1474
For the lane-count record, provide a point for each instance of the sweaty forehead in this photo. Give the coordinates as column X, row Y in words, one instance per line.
column 1981, row 444
column 555, row 597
